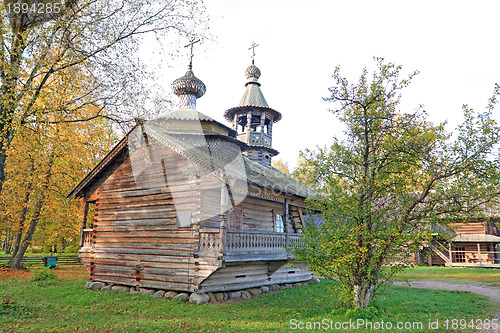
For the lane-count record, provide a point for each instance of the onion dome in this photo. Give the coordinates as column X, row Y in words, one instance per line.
column 252, row 73
column 189, row 84
column 189, row 88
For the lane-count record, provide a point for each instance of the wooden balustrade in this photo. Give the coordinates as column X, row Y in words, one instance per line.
column 248, row 245
column 209, row 242
column 478, row 257
column 88, row 235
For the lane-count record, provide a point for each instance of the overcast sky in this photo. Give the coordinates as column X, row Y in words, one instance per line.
column 454, row 45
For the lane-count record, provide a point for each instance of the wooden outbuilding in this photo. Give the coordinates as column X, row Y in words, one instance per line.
column 185, row 203
column 471, row 244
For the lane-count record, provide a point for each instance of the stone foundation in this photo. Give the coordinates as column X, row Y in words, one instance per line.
column 195, row 298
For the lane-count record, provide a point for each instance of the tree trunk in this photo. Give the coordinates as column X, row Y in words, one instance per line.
column 363, row 295
column 19, row 235
column 6, row 243
column 9, row 101
column 3, row 157
column 24, row 212
column 16, row 261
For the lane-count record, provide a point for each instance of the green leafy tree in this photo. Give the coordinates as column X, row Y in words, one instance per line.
column 391, row 175
column 306, row 171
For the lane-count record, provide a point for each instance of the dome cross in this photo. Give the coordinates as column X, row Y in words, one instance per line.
column 252, row 47
column 191, row 43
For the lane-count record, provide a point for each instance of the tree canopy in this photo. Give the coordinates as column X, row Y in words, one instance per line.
column 392, row 175
column 91, row 46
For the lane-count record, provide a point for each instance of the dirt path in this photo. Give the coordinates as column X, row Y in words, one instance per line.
column 491, row 292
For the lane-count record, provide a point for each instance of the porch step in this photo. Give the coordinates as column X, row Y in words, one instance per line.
column 439, row 253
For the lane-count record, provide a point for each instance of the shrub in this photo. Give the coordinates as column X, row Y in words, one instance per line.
column 44, row 274
column 369, row 312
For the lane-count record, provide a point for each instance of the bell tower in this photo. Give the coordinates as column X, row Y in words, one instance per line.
column 253, row 119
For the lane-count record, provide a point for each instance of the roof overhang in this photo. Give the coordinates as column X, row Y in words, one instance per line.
column 476, row 238
column 244, row 109
column 78, row 190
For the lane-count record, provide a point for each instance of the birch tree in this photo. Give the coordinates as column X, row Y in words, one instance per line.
column 41, row 40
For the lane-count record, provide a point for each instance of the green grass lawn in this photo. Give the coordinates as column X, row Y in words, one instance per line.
column 64, row 305
column 452, row 274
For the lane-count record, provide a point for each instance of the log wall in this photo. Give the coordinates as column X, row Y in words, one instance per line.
column 210, row 208
column 238, row 276
column 435, row 260
column 479, row 227
column 137, row 241
column 291, row 273
column 258, row 214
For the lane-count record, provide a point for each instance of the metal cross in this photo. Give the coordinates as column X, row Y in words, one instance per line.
column 252, row 47
column 192, row 41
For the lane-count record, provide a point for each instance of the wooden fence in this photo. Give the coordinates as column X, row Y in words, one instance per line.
column 67, row 259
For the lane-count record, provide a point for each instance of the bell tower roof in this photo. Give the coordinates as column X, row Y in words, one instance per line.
column 253, row 98
column 253, row 119
column 253, row 95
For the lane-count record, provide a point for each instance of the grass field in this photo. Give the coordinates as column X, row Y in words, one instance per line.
column 63, row 304
column 491, row 276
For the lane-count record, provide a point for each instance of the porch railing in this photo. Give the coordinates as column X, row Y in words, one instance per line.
column 209, row 241
column 260, row 241
column 248, row 243
column 88, row 235
column 454, row 256
column 475, row 257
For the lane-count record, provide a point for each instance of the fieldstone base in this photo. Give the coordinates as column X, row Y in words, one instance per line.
column 195, row 298
column 181, row 297
column 171, row 294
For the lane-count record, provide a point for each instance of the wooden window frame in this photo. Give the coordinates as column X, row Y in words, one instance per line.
column 460, row 254
column 276, row 227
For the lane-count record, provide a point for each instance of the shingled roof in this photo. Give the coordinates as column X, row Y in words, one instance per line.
column 252, row 97
column 476, row 238
column 207, row 154
column 219, row 159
